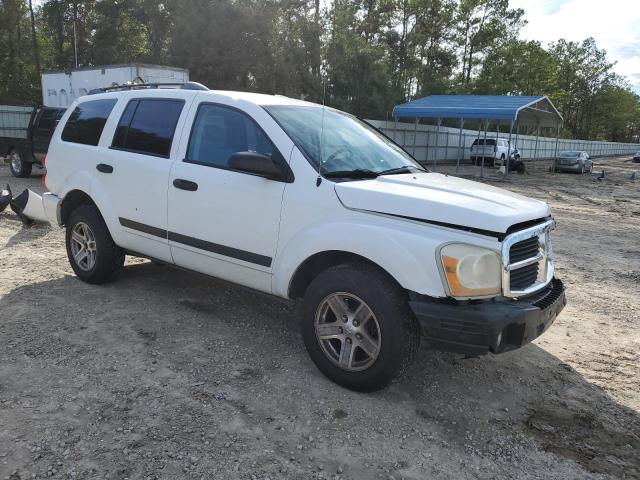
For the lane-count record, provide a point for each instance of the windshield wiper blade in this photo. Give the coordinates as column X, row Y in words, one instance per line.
column 357, row 173
column 399, row 170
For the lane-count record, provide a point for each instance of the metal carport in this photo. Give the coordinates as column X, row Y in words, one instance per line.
column 533, row 111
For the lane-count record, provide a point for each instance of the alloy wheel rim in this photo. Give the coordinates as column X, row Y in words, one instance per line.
column 16, row 163
column 347, row 331
column 83, row 246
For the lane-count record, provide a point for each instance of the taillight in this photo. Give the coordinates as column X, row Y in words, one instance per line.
column 44, row 176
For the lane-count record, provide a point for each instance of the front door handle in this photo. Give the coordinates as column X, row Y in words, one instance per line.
column 185, row 185
column 104, row 168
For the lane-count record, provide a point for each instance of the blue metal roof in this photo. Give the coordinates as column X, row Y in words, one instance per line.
column 482, row 107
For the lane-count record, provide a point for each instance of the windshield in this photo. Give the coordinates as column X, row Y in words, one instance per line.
column 570, row 154
column 344, row 144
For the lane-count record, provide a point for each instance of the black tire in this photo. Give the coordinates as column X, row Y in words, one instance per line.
column 109, row 258
column 23, row 168
column 399, row 330
column 520, row 168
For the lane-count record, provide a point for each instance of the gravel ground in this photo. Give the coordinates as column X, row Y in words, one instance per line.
column 167, row 374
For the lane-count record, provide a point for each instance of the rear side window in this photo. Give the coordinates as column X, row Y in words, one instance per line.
column 489, row 141
column 86, row 122
column 47, row 119
column 219, row 132
column 147, row 126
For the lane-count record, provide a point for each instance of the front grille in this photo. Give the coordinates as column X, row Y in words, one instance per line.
column 524, row 277
column 528, row 260
column 528, row 248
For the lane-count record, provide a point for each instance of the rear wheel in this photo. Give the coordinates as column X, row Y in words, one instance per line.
column 357, row 327
column 19, row 168
column 93, row 255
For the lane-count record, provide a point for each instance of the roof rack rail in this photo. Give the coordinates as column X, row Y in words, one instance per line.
column 147, row 86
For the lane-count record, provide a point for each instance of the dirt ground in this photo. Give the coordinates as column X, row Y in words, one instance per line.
column 166, row 374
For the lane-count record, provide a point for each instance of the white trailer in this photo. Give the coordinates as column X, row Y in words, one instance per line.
column 60, row 88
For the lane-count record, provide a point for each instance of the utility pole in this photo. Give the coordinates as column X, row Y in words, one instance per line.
column 36, row 51
column 75, row 40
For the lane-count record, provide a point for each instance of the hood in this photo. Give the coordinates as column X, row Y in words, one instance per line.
column 441, row 199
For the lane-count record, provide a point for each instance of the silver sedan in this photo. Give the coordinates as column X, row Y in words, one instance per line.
column 573, row 161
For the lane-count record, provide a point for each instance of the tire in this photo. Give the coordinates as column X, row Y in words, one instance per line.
column 108, row 258
column 19, row 168
column 391, row 327
column 520, row 168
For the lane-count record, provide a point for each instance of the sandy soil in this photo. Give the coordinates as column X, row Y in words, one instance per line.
column 166, row 374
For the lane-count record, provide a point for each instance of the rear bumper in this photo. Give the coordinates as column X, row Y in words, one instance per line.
column 568, row 168
column 492, row 326
column 52, row 205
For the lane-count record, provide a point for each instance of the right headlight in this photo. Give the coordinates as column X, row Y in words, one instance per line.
column 470, row 271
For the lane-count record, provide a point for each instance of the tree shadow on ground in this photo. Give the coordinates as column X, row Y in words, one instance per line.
column 529, row 393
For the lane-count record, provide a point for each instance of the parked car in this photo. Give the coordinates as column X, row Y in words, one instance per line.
column 493, row 151
column 573, row 161
column 636, row 157
column 27, row 145
column 306, row 203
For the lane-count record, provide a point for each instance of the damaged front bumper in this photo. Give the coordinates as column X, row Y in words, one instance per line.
column 488, row 326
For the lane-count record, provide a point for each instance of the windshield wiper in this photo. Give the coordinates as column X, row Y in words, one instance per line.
column 399, row 170
column 357, row 173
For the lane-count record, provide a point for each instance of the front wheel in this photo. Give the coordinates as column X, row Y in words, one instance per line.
column 357, row 327
column 19, row 168
column 93, row 255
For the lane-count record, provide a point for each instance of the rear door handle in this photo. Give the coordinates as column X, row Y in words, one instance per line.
column 104, row 168
column 185, row 185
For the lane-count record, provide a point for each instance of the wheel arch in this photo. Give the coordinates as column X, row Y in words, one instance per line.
column 321, row 261
column 73, row 200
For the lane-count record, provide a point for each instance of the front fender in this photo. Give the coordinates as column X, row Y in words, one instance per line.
column 405, row 250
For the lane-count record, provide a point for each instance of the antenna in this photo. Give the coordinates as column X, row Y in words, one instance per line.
column 319, row 179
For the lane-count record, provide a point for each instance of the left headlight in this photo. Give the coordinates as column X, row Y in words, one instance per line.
column 470, row 271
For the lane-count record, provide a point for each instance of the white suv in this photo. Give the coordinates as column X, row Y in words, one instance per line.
column 490, row 151
column 308, row 203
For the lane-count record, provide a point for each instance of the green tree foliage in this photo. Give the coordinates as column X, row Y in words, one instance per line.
column 362, row 56
column 358, row 73
column 19, row 79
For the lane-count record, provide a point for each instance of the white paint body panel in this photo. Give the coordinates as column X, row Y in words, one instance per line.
column 286, row 222
column 230, row 209
column 442, row 198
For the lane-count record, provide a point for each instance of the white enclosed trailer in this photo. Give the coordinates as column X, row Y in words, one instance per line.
column 60, row 88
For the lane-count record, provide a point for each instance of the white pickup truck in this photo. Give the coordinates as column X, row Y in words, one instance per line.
column 308, row 203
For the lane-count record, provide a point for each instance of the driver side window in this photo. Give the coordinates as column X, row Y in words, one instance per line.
column 218, row 132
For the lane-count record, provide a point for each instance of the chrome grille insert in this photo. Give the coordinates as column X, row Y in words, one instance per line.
column 527, row 260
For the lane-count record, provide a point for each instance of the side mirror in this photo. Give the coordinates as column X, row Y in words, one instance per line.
column 255, row 164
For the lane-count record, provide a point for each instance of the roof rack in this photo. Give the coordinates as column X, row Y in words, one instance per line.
column 147, row 86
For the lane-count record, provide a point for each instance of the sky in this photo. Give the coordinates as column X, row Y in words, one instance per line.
column 614, row 24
